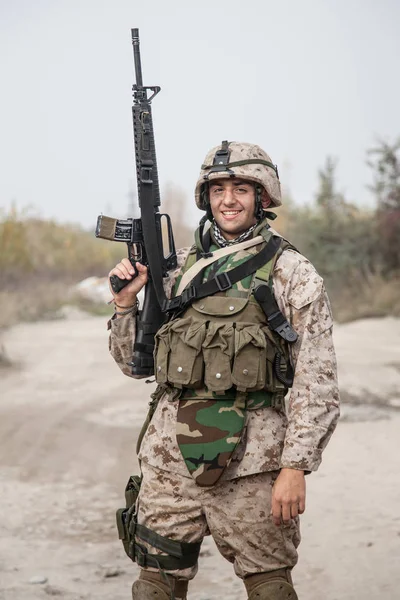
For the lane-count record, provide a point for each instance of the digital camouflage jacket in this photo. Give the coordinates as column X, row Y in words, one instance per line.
column 287, row 436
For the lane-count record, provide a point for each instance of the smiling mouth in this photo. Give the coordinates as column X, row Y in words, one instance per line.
column 231, row 213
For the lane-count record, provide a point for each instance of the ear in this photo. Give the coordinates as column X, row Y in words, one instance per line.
column 265, row 199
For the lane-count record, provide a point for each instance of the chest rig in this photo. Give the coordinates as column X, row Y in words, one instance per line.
column 234, row 341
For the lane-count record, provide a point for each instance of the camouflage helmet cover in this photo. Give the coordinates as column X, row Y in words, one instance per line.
column 249, row 169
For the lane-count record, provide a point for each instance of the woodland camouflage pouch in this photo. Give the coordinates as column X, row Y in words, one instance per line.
column 208, row 432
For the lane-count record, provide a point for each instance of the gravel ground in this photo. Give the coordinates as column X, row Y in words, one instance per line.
column 68, row 424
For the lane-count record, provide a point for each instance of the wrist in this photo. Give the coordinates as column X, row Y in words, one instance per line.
column 128, row 307
column 125, row 302
column 292, row 471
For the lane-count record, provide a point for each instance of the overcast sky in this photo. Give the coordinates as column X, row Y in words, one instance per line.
column 302, row 79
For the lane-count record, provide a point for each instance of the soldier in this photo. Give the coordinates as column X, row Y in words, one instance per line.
column 247, row 395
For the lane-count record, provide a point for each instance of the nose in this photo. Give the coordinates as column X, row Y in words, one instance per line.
column 229, row 196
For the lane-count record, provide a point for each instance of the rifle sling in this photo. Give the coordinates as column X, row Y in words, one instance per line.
column 276, row 320
column 202, row 263
column 223, row 281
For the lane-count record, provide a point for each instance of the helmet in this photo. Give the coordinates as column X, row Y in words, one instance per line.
column 238, row 159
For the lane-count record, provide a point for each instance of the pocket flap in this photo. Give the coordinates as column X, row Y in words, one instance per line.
column 217, row 353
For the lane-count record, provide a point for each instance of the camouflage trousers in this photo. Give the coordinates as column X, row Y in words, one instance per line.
column 236, row 513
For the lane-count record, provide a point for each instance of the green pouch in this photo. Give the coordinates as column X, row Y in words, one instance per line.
column 217, row 353
column 126, row 517
column 185, row 362
column 249, row 369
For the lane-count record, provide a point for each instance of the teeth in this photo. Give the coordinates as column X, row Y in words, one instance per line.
column 231, row 212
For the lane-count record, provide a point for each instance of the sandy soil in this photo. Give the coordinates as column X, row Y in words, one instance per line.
column 68, row 423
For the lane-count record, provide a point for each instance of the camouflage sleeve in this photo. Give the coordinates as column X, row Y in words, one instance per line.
column 122, row 330
column 313, row 404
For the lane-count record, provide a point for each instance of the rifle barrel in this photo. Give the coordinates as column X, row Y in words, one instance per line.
column 136, row 56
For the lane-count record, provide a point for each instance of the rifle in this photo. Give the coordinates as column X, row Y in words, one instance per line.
column 144, row 236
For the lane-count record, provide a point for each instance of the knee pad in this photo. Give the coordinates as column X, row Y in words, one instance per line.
column 144, row 590
column 274, row 589
column 275, row 585
column 153, row 586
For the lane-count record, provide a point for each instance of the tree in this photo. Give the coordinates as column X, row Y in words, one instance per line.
column 335, row 235
column 327, row 198
column 385, row 163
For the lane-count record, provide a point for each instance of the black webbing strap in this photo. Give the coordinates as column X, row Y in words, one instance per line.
column 276, row 320
column 181, row 555
column 223, row 281
column 166, row 545
column 159, row 561
column 145, row 348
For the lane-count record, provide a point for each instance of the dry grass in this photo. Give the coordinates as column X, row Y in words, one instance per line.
column 374, row 297
column 41, row 260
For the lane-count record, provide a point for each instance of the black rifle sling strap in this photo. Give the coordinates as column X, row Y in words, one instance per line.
column 276, row 320
column 223, row 281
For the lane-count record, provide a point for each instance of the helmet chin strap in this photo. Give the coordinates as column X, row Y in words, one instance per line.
column 258, row 209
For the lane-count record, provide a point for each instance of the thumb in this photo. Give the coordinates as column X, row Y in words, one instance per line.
column 142, row 270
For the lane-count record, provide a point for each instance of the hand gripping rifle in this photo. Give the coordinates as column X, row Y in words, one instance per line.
column 144, row 236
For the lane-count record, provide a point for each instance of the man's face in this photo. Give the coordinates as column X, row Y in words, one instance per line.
column 232, row 205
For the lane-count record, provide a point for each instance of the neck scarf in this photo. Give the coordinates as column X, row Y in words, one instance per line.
column 219, row 238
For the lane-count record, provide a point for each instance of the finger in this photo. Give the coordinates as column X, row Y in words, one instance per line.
column 122, row 274
column 302, row 506
column 276, row 512
column 277, row 520
column 141, row 268
column 294, row 510
column 142, row 273
column 125, row 269
column 286, row 513
column 128, row 266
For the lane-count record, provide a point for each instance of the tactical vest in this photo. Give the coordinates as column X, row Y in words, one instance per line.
column 222, row 346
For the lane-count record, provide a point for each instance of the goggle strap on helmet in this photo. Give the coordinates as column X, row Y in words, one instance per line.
column 250, row 161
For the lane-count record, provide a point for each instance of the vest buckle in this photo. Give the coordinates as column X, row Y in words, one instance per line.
column 188, row 295
column 223, row 281
column 280, row 325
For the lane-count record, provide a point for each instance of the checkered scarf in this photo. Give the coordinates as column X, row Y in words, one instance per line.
column 221, row 241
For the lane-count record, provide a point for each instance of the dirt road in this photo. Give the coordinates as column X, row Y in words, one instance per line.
column 68, row 423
